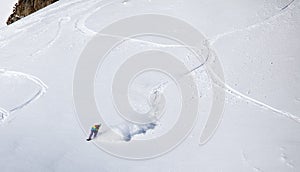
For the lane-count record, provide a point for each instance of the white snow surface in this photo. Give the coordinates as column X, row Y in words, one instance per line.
column 257, row 43
column 6, row 9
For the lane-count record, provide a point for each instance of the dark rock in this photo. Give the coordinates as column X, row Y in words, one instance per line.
column 25, row 7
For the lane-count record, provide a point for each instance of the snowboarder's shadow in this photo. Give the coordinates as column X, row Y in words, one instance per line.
column 101, row 133
column 108, row 135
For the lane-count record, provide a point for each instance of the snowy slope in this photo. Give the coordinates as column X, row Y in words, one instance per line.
column 257, row 43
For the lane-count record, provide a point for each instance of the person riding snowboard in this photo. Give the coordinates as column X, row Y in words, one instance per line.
column 94, row 131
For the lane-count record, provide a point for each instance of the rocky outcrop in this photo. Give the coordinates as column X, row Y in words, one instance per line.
column 25, row 7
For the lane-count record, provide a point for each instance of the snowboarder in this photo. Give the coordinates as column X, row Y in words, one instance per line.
column 94, row 131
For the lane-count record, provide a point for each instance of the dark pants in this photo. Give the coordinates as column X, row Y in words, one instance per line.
column 93, row 133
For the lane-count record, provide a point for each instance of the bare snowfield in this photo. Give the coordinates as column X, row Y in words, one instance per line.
column 255, row 43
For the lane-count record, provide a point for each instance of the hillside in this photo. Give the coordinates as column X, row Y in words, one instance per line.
column 212, row 86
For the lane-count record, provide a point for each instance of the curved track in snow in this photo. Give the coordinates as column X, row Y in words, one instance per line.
column 6, row 113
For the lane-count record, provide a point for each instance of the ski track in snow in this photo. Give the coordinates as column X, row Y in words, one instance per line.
column 240, row 95
column 287, row 5
column 248, row 163
column 80, row 23
column 5, row 114
column 218, row 82
column 285, row 159
column 290, row 6
column 55, row 37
